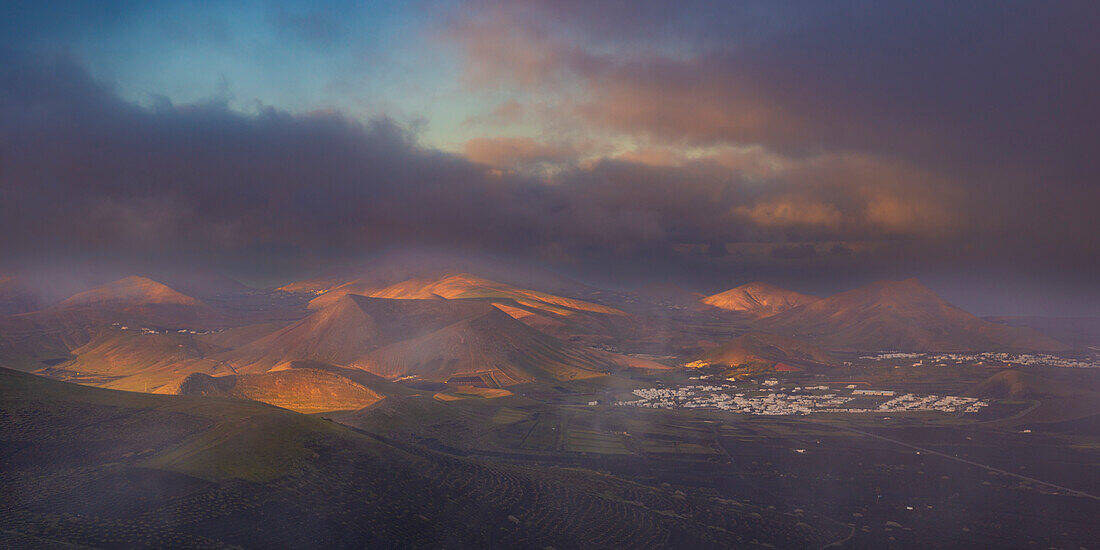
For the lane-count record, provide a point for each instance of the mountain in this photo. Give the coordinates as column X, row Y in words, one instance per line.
column 128, row 357
column 1017, row 384
column 93, row 468
column 900, row 315
column 131, row 326
column 37, row 339
column 459, row 286
column 396, row 266
column 758, row 299
column 132, row 291
column 433, row 339
column 493, row 349
column 307, row 387
column 142, row 299
column 758, row 348
column 557, row 315
column 346, row 331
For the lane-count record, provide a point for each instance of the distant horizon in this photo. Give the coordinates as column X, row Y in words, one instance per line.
column 57, row 283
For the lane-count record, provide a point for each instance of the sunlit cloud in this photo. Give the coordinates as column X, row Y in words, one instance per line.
column 792, row 211
column 574, row 132
column 516, row 151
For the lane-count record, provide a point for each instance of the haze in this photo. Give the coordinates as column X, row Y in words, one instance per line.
column 550, row 274
column 816, row 146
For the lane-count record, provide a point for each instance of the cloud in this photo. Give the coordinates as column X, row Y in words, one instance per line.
column 792, row 211
column 965, row 118
column 506, row 113
column 515, row 151
column 85, row 172
column 794, row 252
column 939, row 81
column 86, row 169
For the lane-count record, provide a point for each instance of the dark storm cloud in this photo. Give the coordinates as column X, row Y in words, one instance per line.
column 83, row 167
column 803, row 143
column 1010, row 82
column 990, row 107
column 84, row 170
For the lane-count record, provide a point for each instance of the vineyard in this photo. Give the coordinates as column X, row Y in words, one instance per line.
column 149, row 481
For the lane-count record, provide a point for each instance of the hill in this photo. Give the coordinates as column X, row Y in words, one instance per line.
column 130, row 292
column 762, row 349
column 300, row 388
column 1018, row 384
column 39, row 339
column 344, row 332
column 758, row 299
column 462, row 286
column 494, row 350
column 88, row 467
column 431, row 339
column 900, row 315
column 557, row 315
column 138, row 360
column 1055, row 402
column 78, row 324
column 141, row 298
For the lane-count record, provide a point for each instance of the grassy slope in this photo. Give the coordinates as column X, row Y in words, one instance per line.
column 303, row 389
column 99, row 467
column 213, row 431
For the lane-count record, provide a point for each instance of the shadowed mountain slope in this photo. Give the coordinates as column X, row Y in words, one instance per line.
column 494, row 345
column 900, row 315
column 347, row 330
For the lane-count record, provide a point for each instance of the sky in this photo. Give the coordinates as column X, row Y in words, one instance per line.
column 819, row 145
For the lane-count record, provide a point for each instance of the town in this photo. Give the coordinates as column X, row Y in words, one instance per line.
column 795, row 401
column 148, row 330
column 989, row 358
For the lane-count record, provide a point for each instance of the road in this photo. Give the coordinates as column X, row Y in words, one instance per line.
column 970, row 462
